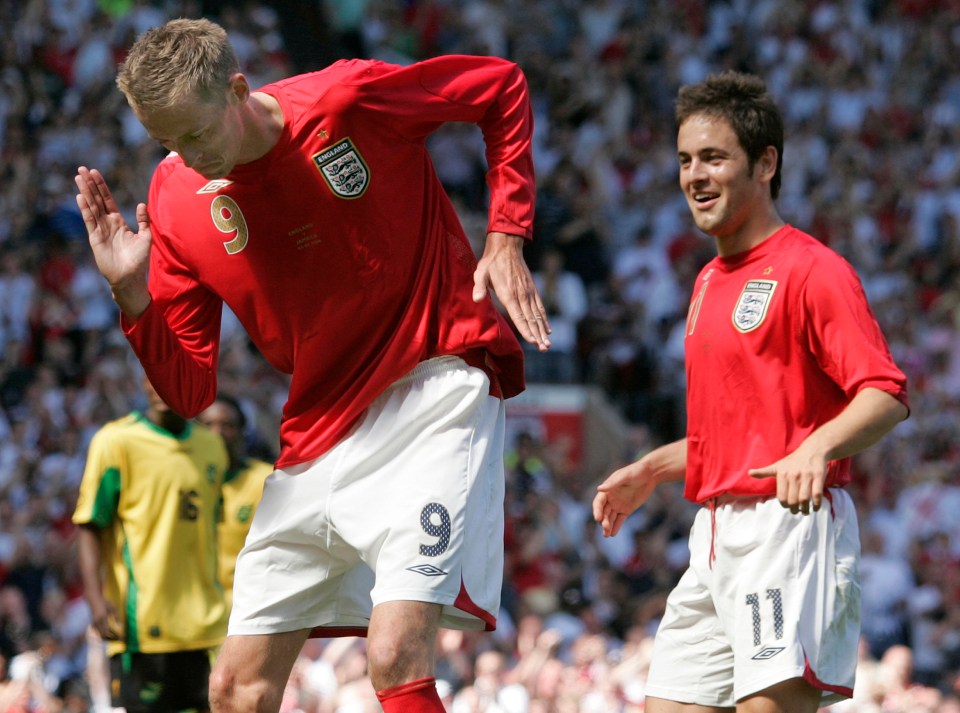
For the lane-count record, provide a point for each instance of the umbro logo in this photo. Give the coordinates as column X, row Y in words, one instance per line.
column 427, row 570
column 768, row 653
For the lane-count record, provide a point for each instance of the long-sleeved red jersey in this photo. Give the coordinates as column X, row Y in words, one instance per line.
column 338, row 250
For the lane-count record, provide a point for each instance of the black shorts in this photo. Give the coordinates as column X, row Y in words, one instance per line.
column 158, row 683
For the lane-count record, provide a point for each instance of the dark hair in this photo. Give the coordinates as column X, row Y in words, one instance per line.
column 231, row 402
column 742, row 100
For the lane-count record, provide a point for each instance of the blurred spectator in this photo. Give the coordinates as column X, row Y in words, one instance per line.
column 872, row 98
column 565, row 299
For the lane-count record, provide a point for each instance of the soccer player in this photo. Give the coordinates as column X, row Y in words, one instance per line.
column 788, row 376
column 312, row 209
column 242, row 486
column 147, row 512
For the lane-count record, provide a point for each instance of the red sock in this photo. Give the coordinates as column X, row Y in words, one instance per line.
column 414, row 697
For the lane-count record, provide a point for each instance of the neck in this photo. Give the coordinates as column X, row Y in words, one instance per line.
column 263, row 121
column 749, row 236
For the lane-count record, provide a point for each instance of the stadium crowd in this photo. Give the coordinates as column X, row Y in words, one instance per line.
column 871, row 93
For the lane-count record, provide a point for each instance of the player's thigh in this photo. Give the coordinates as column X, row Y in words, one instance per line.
column 261, row 661
column 661, row 705
column 421, row 492
column 791, row 601
column 793, row 696
column 692, row 660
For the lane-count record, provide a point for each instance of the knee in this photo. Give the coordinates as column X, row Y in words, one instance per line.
column 393, row 660
column 384, row 654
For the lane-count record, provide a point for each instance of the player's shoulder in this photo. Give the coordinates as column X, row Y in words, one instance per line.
column 344, row 71
column 119, row 427
column 813, row 253
column 259, row 468
column 173, row 179
column 120, row 434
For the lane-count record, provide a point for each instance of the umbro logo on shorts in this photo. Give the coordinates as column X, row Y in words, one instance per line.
column 428, row 570
column 768, row 653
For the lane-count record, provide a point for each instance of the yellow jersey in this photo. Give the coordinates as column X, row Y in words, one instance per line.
column 242, row 489
column 155, row 497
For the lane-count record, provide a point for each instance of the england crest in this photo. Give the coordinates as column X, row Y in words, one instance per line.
column 344, row 169
column 753, row 304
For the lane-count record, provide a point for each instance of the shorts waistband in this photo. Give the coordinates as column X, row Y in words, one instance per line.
column 431, row 367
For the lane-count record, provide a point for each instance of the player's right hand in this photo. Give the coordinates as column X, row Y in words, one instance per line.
column 122, row 256
column 103, row 616
column 620, row 494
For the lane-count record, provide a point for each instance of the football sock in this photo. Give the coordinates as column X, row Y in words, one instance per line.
column 418, row 696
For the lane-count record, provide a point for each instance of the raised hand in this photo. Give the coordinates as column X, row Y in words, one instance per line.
column 122, row 256
column 503, row 269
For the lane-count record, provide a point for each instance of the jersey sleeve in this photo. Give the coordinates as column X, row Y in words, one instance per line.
column 844, row 335
column 177, row 338
column 101, row 483
column 487, row 91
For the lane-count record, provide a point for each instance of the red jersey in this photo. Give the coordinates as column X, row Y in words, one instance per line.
column 779, row 339
column 338, row 250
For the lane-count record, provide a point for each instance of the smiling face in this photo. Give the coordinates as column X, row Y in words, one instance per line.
column 729, row 199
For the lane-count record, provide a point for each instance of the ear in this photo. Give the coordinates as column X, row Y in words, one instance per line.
column 239, row 88
column 766, row 166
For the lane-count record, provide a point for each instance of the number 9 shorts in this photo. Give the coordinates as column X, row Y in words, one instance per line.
column 409, row 506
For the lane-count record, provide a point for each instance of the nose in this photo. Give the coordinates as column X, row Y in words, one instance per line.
column 693, row 172
column 695, row 168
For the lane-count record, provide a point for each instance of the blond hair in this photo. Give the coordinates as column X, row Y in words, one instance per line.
column 182, row 59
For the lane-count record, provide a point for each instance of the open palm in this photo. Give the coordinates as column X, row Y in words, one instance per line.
column 121, row 254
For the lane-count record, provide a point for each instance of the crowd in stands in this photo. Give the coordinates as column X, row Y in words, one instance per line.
column 871, row 95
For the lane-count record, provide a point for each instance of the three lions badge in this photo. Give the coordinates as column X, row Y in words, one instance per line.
column 752, row 306
column 344, row 169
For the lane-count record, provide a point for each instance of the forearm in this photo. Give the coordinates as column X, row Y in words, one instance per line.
column 866, row 419
column 132, row 298
column 89, row 562
column 186, row 379
column 667, row 463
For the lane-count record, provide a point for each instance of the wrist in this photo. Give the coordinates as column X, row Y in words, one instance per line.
column 132, row 299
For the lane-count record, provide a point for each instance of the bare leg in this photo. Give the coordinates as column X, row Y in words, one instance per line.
column 793, row 696
column 661, row 705
column 251, row 672
column 400, row 642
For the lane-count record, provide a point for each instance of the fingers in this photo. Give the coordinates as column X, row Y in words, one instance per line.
column 609, row 518
column 800, row 493
column 93, row 189
column 143, row 217
column 599, row 506
column 529, row 315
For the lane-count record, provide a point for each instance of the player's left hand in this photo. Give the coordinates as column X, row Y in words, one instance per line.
column 503, row 269
column 800, row 480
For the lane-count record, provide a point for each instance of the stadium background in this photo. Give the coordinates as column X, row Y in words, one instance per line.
column 871, row 95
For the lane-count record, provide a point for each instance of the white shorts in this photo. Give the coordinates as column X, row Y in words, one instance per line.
column 780, row 600
column 408, row 507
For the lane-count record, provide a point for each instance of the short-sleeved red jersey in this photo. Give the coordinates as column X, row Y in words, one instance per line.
column 779, row 339
column 339, row 251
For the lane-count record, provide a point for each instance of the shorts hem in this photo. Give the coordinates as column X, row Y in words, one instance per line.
column 453, row 616
column 255, row 628
column 829, row 693
column 684, row 696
